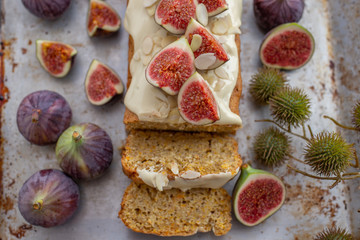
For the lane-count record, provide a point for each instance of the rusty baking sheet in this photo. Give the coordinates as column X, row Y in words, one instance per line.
column 331, row 79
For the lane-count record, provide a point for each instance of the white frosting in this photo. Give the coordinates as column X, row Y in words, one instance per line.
column 152, row 104
column 186, row 181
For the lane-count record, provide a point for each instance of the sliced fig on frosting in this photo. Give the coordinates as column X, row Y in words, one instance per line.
column 210, row 54
column 175, row 15
column 171, row 67
column 197, row 103
column 214, row 7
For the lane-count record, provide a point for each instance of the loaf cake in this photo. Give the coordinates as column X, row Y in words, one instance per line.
column 165, row 159
column 148, row 107
column 174, row 212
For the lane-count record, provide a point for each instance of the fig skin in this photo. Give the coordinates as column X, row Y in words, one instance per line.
column 249, row 176
column 272, row 13
column 42, row 116
column 102, row 83
column 97, row 25
column 287, row 56
column 55, row 57
column 84, row 151
column 47, row 9
column 48, row 198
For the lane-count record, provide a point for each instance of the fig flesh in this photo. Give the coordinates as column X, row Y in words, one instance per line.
column 171, row 67
column 47, row 9
column 175, row 15
column 102, row 20
column 257, row 195
column 84, row 151
column 42, row 116
column 55, row 57
column 197, row 103
column 214, row 7
column 288, row 46
column 272, row 13
column 210, row 54
column 48, row 198
column 102, row 83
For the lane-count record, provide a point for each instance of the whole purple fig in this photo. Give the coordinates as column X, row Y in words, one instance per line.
column 272, row 13
column 42, row 116
column 84, row 151
column 48, row 198
column 47, row 9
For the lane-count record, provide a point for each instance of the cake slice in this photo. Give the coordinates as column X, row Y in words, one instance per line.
column 176, row 213
column 165, row 159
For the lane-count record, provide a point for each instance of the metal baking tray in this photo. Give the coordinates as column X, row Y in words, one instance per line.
column 331, row 79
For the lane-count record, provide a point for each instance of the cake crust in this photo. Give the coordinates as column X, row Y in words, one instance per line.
column 132, row 121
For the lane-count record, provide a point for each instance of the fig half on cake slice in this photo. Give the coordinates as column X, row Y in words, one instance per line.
column 288, row 46
column 55, row 57
column 102, row 20
column 102, row 83
column 197, row 103
column 209, row 54
column 257, row 195
column 214, row 7
column 175, row 15
column 171, row 67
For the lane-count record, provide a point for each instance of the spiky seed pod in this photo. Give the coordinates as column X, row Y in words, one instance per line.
column 266, row 83
column 328, row 153
column 334, row 233
column 356, row 116
column 271, row 147
column 290, row 106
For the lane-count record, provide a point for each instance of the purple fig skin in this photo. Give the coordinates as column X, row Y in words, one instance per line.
column 84, row 151
column 47, row 9
column 48, row 198
column 272, row 13
column 42, row 116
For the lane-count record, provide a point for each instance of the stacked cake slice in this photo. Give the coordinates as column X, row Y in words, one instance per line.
column 182, row 103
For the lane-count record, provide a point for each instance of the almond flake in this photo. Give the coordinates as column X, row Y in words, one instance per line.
column 204, row 61
column 146, row 59
column 202, row 14
column 196, row 42
column 167, row 40
column 190, row 175
column 151, row 10
column 221, row 26
column 147, row 45
column 221, row 73
column 148, row 3
column 219, row 85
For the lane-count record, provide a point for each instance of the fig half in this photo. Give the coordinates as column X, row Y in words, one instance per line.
column 48, row 198
column 288, row 46
column 171, row 67
column 257, row 195
column 102, row 20
column 210, row 54
column 47, row 9
column 102, row 83
column 42, row 116
column 175, row 15
column 214, row 7
column 84, row 151
column 197, row 103
column 55, row 57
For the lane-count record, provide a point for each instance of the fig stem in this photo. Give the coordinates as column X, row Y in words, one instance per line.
column 76, row 136
column 284, row 129
column 35, row 115
column 38, row 204
column 339, row 124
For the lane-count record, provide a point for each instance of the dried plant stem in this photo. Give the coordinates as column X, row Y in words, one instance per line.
column 356, row 165
column 296, row 159
column 311, row 132
column 304, row 129
column 339, row 124
column 284, row 129
column 337, row 179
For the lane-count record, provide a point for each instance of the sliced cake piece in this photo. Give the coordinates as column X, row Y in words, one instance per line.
column 184, row 160
column 176, row 213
